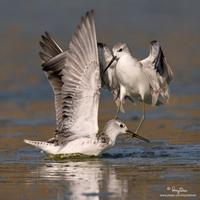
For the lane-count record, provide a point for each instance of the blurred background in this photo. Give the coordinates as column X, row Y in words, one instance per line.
column 26, row 100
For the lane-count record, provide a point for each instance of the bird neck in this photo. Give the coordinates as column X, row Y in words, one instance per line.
column 126, row 54
column 106, row 139
column 127, row 61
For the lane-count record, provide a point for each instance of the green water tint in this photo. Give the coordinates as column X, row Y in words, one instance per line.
column 73, row 156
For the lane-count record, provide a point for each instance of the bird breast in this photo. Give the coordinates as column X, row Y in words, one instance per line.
column 129, row 73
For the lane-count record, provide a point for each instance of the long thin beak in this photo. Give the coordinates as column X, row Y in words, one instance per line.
column 138, row 136
column 110, row 63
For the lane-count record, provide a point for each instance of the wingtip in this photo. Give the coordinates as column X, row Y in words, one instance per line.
column 41, row 44
column 45, row 67
column 101, row 45
column 92, row 11
column 155, row 45
column 46, row 33
column 89, row 13
column 153, row 42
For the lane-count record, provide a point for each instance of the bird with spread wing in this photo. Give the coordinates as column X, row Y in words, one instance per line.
column 141, row 81
column 74, row 76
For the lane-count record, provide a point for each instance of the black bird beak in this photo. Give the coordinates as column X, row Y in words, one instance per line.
column 137, row 136
column 110, row 63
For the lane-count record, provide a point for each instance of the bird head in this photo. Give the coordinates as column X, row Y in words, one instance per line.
column 118, row 50
column 115, row 127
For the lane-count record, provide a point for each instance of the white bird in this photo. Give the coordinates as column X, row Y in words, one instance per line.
column 143, row 81
column 74, row 75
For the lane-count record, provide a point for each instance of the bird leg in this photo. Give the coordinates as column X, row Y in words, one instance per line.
column 120, row 100
column 116, row 94
column 141, row 119
column 119, row 105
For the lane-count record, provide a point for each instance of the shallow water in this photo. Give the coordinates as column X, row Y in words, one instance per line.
column 132, row 169
column 126, row 171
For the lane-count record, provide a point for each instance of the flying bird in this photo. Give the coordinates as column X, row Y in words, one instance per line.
column 74, row 76
column 141, row 81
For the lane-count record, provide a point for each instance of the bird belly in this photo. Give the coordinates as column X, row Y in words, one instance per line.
column 133, row 79
column 86, row 146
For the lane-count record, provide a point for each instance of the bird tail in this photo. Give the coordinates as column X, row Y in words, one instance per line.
column 44, row 146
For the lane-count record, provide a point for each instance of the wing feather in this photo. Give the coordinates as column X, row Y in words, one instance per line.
column 108, row 78
column 158, row 72
column 80, row 76
column 157, row 61
column 50, row 49
column 84, row 100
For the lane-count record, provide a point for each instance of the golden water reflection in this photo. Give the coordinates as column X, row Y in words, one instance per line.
column 94, row 179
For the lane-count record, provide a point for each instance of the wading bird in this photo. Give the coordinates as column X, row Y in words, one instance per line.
column 74, row 75
column 143, row 81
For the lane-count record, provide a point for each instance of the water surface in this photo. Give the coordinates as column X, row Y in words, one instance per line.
column 132, row 169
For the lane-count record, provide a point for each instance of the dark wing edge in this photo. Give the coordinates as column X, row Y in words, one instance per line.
column 78, row 68
column 158, row 60
column 108, row 78
column 51, row 50
column 49, row 47
column 105, row 56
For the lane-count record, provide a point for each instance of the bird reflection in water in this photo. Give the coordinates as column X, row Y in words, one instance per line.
column 82, row 180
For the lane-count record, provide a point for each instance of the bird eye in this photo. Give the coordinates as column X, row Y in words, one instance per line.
column 121, row 125
column 120, row 50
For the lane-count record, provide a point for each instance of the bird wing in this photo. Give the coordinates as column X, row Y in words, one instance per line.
column 108, row 78
column 80, row 76
column 157, row 61
column 50, row 49
column 158, row 72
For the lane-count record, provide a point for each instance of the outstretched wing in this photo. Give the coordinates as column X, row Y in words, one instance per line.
column 158, row 72
column 80, row 74
column 108, row 78
column 157, row 61
column 50, row 49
